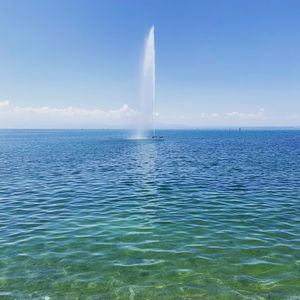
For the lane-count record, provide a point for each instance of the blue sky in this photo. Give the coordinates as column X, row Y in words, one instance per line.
column 77, row 63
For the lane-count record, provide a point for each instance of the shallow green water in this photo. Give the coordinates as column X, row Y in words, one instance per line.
column 197, row 215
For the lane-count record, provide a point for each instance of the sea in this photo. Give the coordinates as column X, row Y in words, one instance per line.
column 196, row 214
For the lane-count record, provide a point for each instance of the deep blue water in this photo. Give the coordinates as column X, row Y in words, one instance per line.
column 202, row 214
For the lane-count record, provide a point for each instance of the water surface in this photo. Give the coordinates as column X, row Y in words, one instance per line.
column 197, row 215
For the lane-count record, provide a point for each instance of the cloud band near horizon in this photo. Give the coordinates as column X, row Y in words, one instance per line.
column 12, row 116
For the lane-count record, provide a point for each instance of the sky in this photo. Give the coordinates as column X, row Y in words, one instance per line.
column 77, row 63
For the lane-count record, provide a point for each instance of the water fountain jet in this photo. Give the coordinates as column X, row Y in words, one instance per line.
column 146, row 124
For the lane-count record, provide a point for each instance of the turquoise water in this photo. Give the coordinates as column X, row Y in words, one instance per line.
column 197, row 215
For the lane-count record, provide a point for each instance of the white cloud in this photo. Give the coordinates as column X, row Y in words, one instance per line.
column 247, row 116
column 294, row 117
column 209, row 115
column 4, row 104
column 12, row 116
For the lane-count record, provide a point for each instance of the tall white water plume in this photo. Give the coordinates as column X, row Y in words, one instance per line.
column 147, row 122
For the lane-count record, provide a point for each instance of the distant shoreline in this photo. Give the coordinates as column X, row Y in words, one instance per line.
column 245, row 128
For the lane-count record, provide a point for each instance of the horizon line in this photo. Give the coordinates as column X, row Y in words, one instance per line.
column 297, row 127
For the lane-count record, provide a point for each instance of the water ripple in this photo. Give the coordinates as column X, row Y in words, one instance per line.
column 197, row 215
